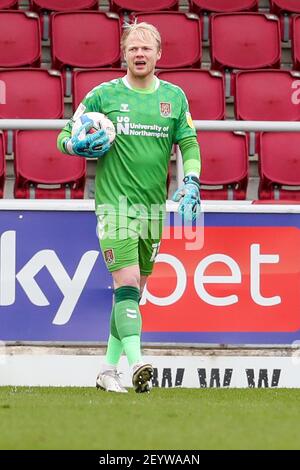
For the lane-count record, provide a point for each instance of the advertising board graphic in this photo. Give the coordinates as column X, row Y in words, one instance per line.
column 241, row 286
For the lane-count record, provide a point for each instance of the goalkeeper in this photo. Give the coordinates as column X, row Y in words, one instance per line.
column 150, row 115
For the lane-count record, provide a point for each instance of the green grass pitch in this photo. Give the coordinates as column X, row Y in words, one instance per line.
column 84, row 418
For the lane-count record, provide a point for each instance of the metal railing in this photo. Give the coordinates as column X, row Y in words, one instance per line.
column 228, row 125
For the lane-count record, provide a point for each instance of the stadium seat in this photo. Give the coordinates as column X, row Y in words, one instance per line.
column 198, row 85
column 8, row 4
column 244, row 41
column 32, row 93
column 296, row 42
column 265, row 95
column 279, row 166
column 222, row 6
column 284, row 6
column 181, row 37
column 206, row 7
column 85, row 80
column 20, row 39
column 2, row 164
column 121, row 6
column 62, row 5
column 42, row 171
column 224, row 157
column 85, row 39
column 285, row 9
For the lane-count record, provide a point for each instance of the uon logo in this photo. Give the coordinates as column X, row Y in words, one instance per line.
column 244, row 279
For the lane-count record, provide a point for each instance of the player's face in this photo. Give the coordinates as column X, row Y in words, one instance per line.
column 141, row 55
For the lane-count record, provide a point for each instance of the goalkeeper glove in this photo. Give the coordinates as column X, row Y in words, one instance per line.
column 188, row 197
column 92, row 145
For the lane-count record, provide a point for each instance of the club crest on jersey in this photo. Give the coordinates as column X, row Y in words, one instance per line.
column 165, row 109
column 109, row 256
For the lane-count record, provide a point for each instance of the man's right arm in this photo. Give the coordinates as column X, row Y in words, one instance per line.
column 63, row 138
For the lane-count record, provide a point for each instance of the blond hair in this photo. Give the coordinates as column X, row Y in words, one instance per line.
column 141, row 29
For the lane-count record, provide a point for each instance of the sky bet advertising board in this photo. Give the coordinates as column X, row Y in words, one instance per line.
column 234, row 279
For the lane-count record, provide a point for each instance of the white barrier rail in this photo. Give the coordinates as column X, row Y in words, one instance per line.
column 228, row 125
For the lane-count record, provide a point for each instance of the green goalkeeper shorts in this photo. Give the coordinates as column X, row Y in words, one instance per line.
column 125, row 241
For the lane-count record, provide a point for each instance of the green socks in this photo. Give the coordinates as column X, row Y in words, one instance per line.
column 125, row 327
column 132, row 348
column 114, row 345
column 128, row 321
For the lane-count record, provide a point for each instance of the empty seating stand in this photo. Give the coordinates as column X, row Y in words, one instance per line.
column 224, row 165
column 181, row 37
column 20, row 39
column 279, row 166
column 121, row 6
column 198, row 85
column 2, row 164
column 85, row 80
column 42, row 171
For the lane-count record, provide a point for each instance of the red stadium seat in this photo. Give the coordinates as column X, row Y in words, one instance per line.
column 284, row 9
column 198, row 85
column 42, row 171
column 85, row 39
column 222, row 6
column 85, row 80
column 265, row 95
column 62, row 5
column 32, row 94
column 8, row 4
column 284, row 6
column 2, row 164
column 121, row 6
column 224, row 157
column 20, row 39
column 279, row 165
column 296, row 41
column 181, row 37
column 245, row 41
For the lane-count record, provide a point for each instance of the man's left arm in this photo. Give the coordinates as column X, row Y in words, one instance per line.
column 188, row 195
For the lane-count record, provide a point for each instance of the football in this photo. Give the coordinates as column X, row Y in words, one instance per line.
column 99, row 121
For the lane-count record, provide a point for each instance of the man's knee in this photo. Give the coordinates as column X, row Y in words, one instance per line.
column 127, row 277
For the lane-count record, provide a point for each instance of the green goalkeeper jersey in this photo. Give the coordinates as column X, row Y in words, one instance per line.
column 131, row 176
